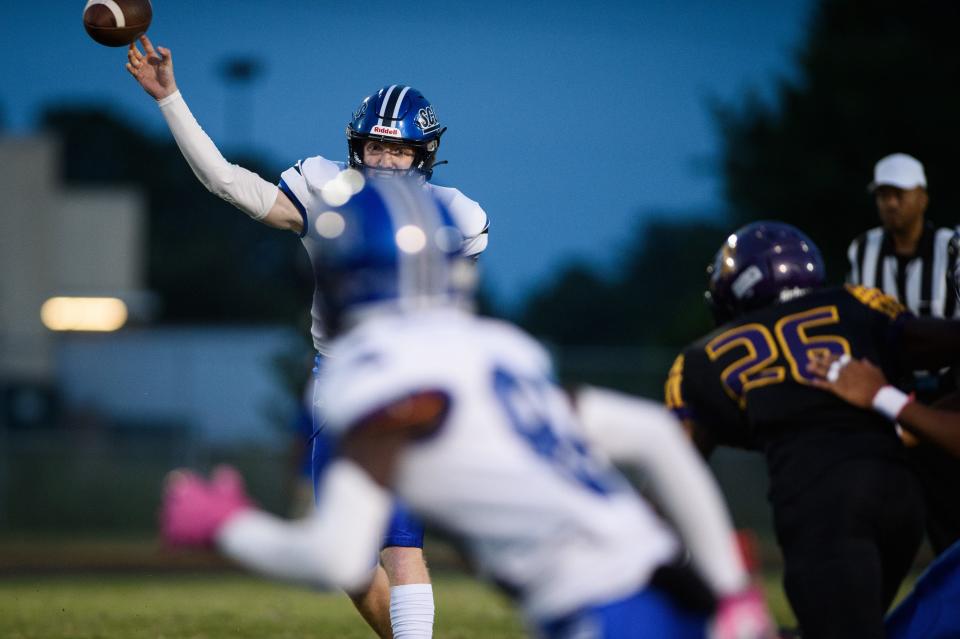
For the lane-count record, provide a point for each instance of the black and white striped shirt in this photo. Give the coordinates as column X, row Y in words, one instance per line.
column 923, row 283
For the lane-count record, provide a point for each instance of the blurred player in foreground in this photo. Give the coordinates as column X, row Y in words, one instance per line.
column 394, row 132
column 458, row 416
column 847, row 507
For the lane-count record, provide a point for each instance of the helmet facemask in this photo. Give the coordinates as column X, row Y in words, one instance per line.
column 424, row 159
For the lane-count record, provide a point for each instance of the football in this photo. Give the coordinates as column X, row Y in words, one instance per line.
column 117, row 23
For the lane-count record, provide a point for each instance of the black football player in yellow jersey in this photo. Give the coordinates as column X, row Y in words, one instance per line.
column 847, row 506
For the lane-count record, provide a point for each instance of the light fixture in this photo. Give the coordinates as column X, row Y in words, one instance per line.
column 101, row 314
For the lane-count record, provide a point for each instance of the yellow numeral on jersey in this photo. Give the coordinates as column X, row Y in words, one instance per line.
column 754, row 369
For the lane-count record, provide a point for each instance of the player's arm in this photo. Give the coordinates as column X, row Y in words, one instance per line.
column 673, row 391
column 469, row 216
column 354, row 504
column 333, row 547
column 337, row 543
column 376, row 442
column 645, row 435
column 246, row 190
column 862, row 384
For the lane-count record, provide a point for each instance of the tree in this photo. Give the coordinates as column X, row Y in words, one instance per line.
column 654, row 297
column 874, row 77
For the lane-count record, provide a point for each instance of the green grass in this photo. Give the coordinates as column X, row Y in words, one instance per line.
column 215, row 606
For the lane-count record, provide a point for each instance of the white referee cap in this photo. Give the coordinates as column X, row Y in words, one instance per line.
column 900, row 170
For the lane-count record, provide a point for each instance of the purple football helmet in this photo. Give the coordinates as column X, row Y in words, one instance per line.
column 760, row 264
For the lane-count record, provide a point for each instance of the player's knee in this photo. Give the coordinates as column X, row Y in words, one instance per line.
column 404, row 565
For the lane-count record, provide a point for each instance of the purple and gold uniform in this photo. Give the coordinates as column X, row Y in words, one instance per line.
column 847, row 508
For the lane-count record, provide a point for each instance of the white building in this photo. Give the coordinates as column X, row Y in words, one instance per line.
column 57, row 241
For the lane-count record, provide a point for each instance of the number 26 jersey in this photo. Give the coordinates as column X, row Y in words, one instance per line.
column 746, row 384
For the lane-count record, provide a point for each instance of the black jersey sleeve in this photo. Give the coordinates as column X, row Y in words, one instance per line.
column 885, row 318
column 694, row 393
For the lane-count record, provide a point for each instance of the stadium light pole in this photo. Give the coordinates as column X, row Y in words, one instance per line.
column 238, row 74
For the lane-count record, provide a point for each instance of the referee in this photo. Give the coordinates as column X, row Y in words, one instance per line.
column 910, row 259
column 907, row 256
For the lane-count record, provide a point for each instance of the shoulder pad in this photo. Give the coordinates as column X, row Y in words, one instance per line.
column 877, row 300
column 671, row 389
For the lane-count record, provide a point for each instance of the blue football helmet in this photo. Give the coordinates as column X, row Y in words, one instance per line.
column 401, row 115
column 386, row 245
column 761, row 264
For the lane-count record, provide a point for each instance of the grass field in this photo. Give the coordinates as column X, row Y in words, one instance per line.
column 214, row 606
column 86, row 587
column 219, row 606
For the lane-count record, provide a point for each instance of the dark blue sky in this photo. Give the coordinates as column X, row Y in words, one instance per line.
column 567, row 122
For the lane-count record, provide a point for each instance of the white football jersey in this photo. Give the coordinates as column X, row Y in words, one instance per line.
column 302, row 184
column 508, row 471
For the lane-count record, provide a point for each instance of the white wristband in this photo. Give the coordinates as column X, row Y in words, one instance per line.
column 243, row 188
column 889, row 401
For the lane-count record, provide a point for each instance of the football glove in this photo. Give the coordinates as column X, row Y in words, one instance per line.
column 194, row 509
column 742, row 616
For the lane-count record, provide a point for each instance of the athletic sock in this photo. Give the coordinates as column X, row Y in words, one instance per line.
column 411, row 611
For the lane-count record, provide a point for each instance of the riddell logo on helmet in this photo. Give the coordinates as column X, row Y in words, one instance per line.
column 385, row 130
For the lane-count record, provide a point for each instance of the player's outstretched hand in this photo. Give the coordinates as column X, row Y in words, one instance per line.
column 855, row 381
column 194, row 508
column 153, row 69
column 742, row 616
